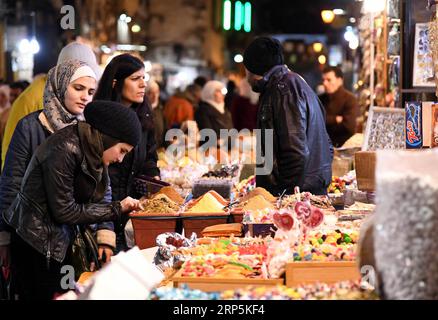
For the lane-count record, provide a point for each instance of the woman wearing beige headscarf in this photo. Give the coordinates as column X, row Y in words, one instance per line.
column 211, row 113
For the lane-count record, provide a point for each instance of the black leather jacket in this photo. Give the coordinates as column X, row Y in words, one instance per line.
column 55, row 195
column 28, row 135
column 302, row 150
column 142, row 160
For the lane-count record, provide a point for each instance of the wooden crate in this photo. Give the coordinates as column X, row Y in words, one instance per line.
column 209, row 284
column 147, row 230
column 299, row 272
column 365, row 165
column 197, row 224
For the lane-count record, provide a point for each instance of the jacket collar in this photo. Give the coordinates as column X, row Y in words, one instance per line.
column 45, row 123
column 273, row 75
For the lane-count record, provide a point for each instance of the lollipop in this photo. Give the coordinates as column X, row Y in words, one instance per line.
column 283, row 220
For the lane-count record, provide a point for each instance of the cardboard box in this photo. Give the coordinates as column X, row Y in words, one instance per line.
column 365, row 164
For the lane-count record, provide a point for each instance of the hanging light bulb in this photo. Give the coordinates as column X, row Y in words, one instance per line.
column 327, row 16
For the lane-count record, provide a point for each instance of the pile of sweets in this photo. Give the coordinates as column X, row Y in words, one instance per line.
column 223, row 266
column 184, row 174
column 227, row 247
column 245, row 186
column 346, row 290
column 257, row 216
column 333, row 237
column 336, row 186
column 183, row 293
column 325, row 252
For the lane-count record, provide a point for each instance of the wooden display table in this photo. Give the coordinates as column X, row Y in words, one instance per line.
column 210, row 284
column 299, row 272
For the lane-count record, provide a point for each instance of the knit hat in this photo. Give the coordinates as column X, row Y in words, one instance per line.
column 262, row 54
column 115, row 120
column 81, row 52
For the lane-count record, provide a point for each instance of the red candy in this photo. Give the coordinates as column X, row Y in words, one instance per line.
column 315, row 219
column 283, row 220
column 303, row 209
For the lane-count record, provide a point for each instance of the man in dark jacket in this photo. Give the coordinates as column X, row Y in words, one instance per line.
column 341, row 106
column 302, row 150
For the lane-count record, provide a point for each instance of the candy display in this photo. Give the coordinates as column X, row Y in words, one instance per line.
column 169, row 253
column 336, row 186
column 321, row 202
column 320, row 291
column 223, row 266
column 325, row 252
column 245, row 186
column 184, row 293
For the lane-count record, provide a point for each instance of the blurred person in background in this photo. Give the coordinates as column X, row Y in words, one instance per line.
column 153, row 94
column 181, row 106
column 244, row 107
column 341, row 106
column 200, row 81
column 231, row 93
column 16, row 89
column 123, row 81
column 212, row 113
column 31, row 99
column 4, row 97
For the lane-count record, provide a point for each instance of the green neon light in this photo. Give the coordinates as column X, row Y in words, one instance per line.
column 247, row 24
column 227, row 15
column 239, row 15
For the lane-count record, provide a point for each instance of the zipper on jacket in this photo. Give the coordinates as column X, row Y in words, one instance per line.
column 49, row 229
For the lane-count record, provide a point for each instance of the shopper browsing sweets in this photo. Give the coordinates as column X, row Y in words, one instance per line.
column 302, row 151
column 65, row 185
column 69, row 88
column 123, row 81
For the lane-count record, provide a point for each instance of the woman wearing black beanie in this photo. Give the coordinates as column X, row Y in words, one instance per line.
column 123, row 81
column 64, row 186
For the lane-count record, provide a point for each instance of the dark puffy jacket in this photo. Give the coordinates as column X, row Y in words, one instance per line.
column 28, row 135
column 140, row 161
column 302, row 150
column 55, row 195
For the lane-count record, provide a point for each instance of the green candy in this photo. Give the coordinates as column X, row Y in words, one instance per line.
column 347, row 239
column 320, row 241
